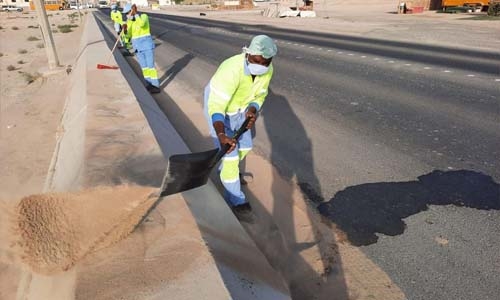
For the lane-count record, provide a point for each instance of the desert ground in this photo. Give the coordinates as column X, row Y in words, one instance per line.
column 30, row 109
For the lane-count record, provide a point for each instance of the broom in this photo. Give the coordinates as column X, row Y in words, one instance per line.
column 107, row 66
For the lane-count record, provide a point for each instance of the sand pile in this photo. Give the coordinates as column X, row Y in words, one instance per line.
column 51, row 232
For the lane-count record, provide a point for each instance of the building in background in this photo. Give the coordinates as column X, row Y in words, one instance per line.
column 21, row 3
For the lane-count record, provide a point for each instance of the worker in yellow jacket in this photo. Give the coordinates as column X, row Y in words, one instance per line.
column 138, row 30
column 116, row 17
column 237, row 91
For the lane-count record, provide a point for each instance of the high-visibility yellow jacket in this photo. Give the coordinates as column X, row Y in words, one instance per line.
column 139, row 32
column 116, row 16
column 232, row 89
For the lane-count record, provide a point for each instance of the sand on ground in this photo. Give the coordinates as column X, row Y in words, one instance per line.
column 48, row 240
column 30, row 110
column 47, row 233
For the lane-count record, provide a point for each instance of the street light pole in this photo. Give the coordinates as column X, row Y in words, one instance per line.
column 47, row 34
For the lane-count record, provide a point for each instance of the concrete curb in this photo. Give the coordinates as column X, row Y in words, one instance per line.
column 237, row 257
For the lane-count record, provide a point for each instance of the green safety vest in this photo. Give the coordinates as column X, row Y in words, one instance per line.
column 233, row 91
column 139, row 27
column 116, row 16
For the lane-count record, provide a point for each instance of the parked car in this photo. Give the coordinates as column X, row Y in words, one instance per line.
column 75, row 5
column 11, row 8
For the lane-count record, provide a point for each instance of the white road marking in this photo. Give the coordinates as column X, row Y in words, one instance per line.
column 375, row 58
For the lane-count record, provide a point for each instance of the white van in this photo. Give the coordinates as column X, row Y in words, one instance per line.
column 102, row 4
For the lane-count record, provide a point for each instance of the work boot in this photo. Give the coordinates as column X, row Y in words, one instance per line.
column 242, row 208
column 243, row 213
column 153, row 89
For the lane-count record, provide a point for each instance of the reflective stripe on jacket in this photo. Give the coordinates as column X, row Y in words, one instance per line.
column 116, row 16
column 232, row 89
column 139, row 32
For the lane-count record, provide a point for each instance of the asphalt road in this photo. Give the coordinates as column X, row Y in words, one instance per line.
column 397, row 143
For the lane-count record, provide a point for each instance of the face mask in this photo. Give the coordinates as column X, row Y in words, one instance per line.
column 256, row 69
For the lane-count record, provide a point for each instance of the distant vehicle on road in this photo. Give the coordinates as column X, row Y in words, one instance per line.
column 11, row 8
column 79, row 5
column 103, row 4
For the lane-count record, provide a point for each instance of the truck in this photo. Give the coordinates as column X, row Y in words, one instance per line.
column 474, row 5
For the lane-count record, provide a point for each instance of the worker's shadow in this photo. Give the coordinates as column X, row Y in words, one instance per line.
column 364, row 210
column 275, row 230
column 176, row 67
column 128, row 167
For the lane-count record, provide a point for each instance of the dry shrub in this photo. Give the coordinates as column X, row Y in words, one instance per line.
column 30, row 78
column 66, row 28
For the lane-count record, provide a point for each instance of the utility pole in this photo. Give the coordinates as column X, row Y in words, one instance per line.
column 46, row 34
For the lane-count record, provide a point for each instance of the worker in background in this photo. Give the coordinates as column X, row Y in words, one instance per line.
column 116, row 17
column 235, row 92
column 402, row 7
column 137, row 29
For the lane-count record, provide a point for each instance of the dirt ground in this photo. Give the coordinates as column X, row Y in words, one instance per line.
column 30, row 112
column 31, row 105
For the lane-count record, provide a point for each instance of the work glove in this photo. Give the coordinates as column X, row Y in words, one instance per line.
column 124, row 28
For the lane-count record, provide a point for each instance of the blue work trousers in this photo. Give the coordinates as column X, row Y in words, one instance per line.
column 146, row 60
